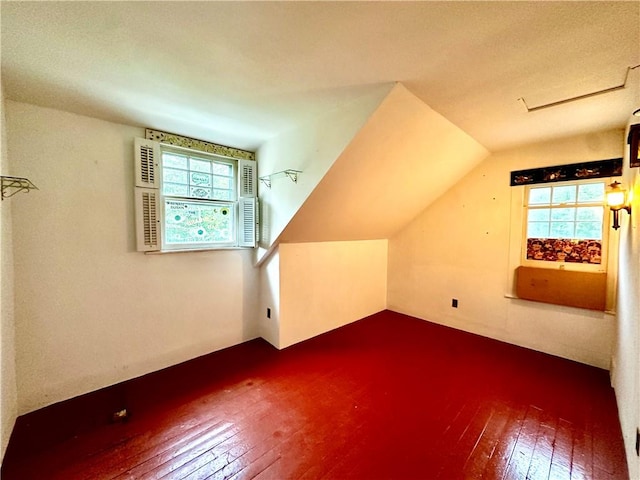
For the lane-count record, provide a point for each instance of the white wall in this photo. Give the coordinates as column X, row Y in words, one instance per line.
column 459, row 248
column 311, row 148
column 626, row 374
column 327, row 285
column 269, row 327
column 90, row 311
column 8, row 388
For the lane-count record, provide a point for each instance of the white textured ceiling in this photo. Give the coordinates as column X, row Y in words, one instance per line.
column 241, row 72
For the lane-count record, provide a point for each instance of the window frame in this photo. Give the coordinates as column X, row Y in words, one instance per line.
column 585, row 267
column 231, row 204
column 149, row 199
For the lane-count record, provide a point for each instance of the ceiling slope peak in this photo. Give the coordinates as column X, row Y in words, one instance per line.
column 402, row 159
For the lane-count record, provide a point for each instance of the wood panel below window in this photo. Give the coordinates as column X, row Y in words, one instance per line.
column 562, row 287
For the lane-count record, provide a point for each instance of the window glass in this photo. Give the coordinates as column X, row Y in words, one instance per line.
column 563, row 214
column 592, row 214
column 562, row 195
column 205, row 219
column 223, row 169
column 192, row 222
column 175, row 161
column 222, row 182
column 540, row 196
column 198, row 192
column 196, row 165
column 538, row 230
column 564, row 223
column 171, row 175
column 222, row 194
column 589, row 230
column 540, row 215
column 561, row 230
column 200, row 178
column 591, row 192
column 176, row 189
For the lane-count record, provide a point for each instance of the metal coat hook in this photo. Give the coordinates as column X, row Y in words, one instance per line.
column 289, row 173
column 13, row 185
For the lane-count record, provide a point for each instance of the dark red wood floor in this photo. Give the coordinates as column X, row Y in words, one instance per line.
column 386, row 397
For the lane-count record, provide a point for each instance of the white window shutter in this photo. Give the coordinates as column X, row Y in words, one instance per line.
column 247, row 222
column 147, row 163
column 148, row 231
column 247, row 179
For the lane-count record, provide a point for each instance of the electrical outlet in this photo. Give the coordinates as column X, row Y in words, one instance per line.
column 268, row 312
column 454, row 302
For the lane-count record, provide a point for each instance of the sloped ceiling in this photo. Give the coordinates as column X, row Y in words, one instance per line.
column 312, row 148
column 239, row 73
column 403, row 158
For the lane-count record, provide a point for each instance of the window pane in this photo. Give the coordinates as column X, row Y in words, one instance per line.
column 591, row 192
column 589, row 230
column 199, row 192
column 222, row 169
column 174, row 176
column 592, row 214
column 538, row 230
column 200, row 179
column 222, row 195
column 561, row 230
column 564, row 195
column 540, row 196
column 539, row 215
column 222, row 182
column 175, row 189
column 197, row 223
column 200, row 165
column 173, row 160
column 563, row 214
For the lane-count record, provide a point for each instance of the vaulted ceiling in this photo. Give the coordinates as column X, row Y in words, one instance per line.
column 241, row 72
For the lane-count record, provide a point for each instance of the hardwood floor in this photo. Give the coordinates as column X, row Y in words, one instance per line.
column 389, row 396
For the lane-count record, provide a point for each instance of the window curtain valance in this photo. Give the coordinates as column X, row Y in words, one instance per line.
column 563, row 173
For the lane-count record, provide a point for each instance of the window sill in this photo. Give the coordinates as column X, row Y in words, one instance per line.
column 513, row 296
column 196, row 250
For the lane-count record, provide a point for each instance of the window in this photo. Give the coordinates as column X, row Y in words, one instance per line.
column 189, row 200
column 564, row 223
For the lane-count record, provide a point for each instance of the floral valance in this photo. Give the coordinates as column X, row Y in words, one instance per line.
column 201, row 145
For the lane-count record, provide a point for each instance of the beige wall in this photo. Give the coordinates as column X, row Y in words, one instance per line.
column 90, row 311
column 8, row 388
column 328, row 285
column 626, row 373
column 459, row 248
column 403, row 158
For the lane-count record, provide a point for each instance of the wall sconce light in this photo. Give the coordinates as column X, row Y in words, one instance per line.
column 616, row 201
